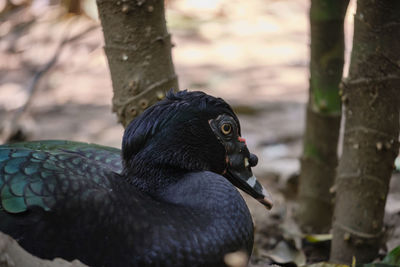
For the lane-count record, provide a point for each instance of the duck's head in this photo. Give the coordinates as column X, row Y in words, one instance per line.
column 191, row 131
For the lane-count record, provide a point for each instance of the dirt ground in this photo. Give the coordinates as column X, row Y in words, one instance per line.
column 254, row 54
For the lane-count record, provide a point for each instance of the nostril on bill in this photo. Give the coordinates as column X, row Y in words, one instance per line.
column 253, row 160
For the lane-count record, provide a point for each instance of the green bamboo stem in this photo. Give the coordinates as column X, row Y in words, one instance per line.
column 319, row 159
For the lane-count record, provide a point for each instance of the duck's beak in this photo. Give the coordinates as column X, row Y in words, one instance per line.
column 239, row 160
column 239, row 173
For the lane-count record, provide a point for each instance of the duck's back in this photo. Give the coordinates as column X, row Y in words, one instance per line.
column 49, row 190
column 66, row 199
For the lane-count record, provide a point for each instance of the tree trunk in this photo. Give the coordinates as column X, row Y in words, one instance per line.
column 371, row 99
column 138, row 49
column 319, row 159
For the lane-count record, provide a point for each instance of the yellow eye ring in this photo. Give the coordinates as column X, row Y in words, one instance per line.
column 226, row 128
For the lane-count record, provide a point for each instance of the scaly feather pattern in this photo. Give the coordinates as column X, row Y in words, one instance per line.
column 34, row 173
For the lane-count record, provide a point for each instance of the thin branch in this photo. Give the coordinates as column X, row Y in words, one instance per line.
column 32, row 87
column 9, row 128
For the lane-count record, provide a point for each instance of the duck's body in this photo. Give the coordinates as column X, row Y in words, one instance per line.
column 162, row 204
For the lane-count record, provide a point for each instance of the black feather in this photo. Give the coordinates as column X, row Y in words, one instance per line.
column 164, row 203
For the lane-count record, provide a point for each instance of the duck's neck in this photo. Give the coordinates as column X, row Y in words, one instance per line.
column 153, row 172
column 151, row 178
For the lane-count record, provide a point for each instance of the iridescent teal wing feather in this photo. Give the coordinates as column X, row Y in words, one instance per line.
column 37, row 173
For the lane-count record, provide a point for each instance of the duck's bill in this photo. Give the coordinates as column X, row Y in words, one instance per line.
column 239, row 160
column 246, row 181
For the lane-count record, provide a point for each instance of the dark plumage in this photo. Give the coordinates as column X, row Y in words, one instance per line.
column 168, row 202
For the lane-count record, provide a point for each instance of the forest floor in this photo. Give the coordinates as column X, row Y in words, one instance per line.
column 254, row 54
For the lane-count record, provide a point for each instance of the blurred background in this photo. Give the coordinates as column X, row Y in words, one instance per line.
column 254, row 54
column 251, row 54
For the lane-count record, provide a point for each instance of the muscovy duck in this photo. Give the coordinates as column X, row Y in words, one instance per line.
column 169, row 201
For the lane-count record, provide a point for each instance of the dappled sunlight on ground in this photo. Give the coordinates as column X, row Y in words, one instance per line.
column 249, row 51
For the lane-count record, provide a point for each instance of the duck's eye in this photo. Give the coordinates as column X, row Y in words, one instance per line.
column 226, row 128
